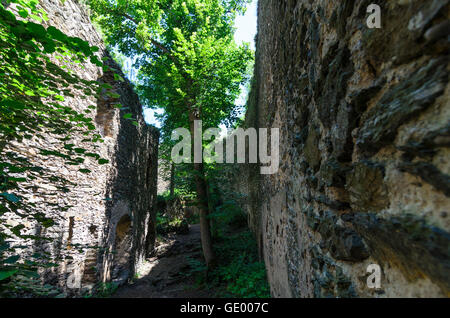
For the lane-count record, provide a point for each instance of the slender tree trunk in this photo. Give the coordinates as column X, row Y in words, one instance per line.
column 202, row 198
column 172, row 179
column 211, row 207
column 205, row 228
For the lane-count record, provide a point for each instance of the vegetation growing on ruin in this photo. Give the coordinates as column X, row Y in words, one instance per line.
column 189, row 65
column 239, row 272
column 363, row 182
column 35, row 78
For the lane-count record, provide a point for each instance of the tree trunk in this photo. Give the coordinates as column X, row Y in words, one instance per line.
column 205, row 228
column 211, row 207
column 172, row 179
column 202, row 198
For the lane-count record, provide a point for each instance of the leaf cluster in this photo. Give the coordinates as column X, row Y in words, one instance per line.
column 37, row 76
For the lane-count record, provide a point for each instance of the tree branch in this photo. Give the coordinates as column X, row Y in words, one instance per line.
column 160, row 46
column 156, row 44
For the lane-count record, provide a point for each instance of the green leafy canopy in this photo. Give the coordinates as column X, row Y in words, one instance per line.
column 186, row 56
column 185, row 53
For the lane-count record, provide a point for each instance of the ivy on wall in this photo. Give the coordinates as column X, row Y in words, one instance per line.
column 35, row 79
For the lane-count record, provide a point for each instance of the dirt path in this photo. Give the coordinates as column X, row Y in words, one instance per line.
column 162, row 275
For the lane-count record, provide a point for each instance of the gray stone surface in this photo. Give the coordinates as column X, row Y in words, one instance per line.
column 110, row 210
column 364, row 158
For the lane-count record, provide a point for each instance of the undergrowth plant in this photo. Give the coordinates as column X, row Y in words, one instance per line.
column 103, row 290
column 239, row 272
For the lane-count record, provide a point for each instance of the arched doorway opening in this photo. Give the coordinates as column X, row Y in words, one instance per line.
column 122, row 248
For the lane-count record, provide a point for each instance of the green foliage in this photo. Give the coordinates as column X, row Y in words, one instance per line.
column 227, row 212
column 184, row 183
column 28, row 284
column 187, row 59
column 244, row 275
column 238, row 273
column 35, row 80
column 166, row 223
column 103, row 290
column 224, row 203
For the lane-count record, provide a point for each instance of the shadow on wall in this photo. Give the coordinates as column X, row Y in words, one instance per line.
column 129, row 230
column 118, row 239
column 122, row 246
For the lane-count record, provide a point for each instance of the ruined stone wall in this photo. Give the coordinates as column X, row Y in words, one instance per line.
column 163, row 178
column 364, row 158
column 112, row 207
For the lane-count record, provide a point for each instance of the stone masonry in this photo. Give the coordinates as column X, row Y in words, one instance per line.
column 107, row 224
column 364, row 148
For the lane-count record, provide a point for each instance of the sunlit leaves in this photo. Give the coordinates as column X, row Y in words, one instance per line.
column 113, row 95
column 56, row 34
column 23, row 13
column 34, row 90
column 195, row 40
column 5, row 273
column 118, row 78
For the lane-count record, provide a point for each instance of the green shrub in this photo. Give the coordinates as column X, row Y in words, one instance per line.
column 103, row 290
column 248, row 280
column 165, row 224
column 240, row 269
column 165, row 221
column 238, row 273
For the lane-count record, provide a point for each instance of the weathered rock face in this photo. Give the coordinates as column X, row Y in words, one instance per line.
column 364, row 136
column 112, row 207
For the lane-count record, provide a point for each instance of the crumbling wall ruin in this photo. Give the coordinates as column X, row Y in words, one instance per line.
column 364, row 159
column 107, row 224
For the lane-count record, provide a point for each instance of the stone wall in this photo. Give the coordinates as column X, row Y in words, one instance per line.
column 163, row 178
column 364, row 158
column 107, row 222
